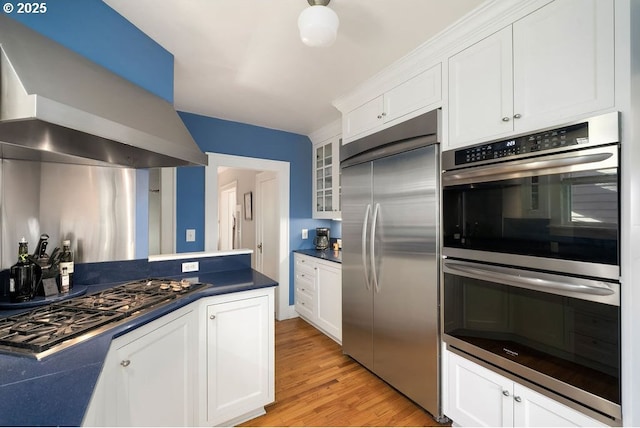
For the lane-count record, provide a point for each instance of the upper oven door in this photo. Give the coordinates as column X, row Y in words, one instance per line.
column 558, row 212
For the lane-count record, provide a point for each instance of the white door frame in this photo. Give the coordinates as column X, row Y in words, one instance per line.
column 281, row 168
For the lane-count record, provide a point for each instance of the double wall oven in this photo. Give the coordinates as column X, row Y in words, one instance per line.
column 531, row 267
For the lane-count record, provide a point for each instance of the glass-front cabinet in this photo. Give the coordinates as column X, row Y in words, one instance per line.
column 326, row 179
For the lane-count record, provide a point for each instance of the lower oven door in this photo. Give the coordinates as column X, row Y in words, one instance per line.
column 560, row 332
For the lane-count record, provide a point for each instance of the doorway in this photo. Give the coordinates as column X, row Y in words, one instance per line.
column 280, row 209
column 228, row 222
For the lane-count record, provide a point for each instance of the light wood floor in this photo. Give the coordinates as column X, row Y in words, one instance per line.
column 316, row 385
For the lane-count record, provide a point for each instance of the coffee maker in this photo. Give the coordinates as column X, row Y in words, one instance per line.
column 321, row 241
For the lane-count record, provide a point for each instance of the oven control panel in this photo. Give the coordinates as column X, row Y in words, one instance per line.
column 539, row 142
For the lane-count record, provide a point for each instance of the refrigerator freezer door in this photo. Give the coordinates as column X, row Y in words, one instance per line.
column 405, row 330
column 357, row 296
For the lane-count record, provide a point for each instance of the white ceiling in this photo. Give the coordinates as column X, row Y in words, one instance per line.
column 242, row 60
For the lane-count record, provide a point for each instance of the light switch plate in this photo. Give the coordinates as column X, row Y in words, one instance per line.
column 191, row 235
column 305, row 233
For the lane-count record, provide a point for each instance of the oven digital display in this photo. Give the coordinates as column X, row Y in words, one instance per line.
column 543, row 141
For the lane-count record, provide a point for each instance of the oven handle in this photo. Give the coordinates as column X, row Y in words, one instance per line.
column 589, row 160
column 514, row 277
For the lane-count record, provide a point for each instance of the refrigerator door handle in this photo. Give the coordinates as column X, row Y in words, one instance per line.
column 365, row 266
column 374, row 223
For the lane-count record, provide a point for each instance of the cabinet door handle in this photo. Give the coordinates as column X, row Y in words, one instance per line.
column 505, row 393
column 379, row 116
column 506, row 119
column 125, row 363
column 212, row 317
column 517, row 116
column 517, row 398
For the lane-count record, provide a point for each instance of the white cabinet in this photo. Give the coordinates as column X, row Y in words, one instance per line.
column 209, row 363
column 477, row 396
column 305, row 286
column 422, row 90
column 552, row 65
column 329, row 298
column 148, row 376
column 318, row 293
column 239, row 359
column 326, row 179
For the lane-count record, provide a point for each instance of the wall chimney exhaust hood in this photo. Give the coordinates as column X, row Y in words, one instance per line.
column 57, row 106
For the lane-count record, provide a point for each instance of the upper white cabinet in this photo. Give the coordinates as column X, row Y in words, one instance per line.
column 422, row 90
column 553, row 65
column 326, row 179
column 477, row 396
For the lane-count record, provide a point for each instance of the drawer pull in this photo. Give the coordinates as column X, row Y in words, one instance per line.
column 125, row 363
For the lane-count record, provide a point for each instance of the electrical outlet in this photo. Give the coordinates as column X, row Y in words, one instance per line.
column 191, row 235
column 190, row 266
column 305, row 233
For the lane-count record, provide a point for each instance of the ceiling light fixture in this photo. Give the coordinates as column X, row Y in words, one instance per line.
column 318, row 24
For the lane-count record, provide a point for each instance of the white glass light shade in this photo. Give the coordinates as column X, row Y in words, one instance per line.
column 318, row 26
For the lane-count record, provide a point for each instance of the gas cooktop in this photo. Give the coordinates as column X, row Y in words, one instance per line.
column 58, row 325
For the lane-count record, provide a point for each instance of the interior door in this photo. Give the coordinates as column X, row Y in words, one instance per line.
column 267, row 216
column 357, row 298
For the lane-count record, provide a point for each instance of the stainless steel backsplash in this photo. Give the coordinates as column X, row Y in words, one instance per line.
column 92, row 206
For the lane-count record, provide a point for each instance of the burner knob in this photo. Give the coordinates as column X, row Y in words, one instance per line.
column 125, row 363
column 212, row 317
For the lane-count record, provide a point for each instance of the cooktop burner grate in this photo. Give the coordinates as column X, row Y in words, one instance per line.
column 41, row 329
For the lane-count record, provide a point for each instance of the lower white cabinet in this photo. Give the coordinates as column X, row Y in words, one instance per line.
column 476, row 396
column 318, row 293
column 148, row 376
column 209, row 363
column 238, row 375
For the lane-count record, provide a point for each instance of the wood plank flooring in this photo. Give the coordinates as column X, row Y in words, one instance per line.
column 316, row 385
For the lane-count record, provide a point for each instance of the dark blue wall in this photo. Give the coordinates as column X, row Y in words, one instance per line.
column 239, row 139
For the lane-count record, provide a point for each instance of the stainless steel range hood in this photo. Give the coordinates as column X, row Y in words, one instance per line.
column 57, row 106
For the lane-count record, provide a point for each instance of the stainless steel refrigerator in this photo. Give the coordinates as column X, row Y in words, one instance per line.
column 390, row 276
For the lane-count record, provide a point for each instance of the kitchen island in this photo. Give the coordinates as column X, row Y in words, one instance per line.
column 57, row 389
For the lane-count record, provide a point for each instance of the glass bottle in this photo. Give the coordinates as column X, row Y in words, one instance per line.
column 66, row 267
column 21, row 275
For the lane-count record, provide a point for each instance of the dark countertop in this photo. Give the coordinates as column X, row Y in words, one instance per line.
column 329, row 255
column 56, row 390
